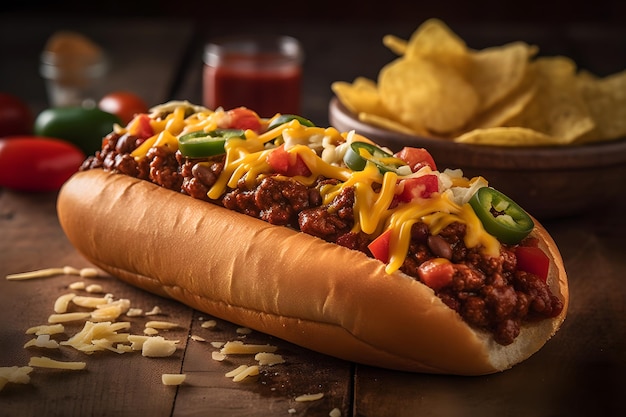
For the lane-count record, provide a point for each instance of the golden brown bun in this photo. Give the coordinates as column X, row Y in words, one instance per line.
column 281, row 282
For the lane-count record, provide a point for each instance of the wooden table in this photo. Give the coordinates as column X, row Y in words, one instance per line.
column 580, row 372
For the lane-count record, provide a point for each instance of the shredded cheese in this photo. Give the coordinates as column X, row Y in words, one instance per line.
column 45, row 362
column 162, row 325
column 239, row 348
column 242, row 372
column 269, row 359
column 62, row 302
column 67, row 317
column 158, row 347
column 46, row 329
column 89, row 302
column 173, row 379
column 89, row 339
column 14, row 375
column 51, row 272
column 209, row 324
column 42, row 341
column 309, row 397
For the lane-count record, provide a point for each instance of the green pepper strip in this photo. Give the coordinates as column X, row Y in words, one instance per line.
column 359, row 153
column 501, row 216
column 286, row 118
column 204, row 144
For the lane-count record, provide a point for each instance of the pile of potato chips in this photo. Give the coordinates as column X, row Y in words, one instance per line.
column 504, row 95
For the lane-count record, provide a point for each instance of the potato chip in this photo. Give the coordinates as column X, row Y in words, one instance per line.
column 558, row 110
column 509, row 107
column 395, row 44
column 360, row 96
column 427, row 94
column 434, row 40
column 496, row 72
column 507, row 136
column 389, row 124
column 606, row 100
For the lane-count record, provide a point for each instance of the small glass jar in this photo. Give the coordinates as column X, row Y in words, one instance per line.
column 262, row 73
column 73, row 68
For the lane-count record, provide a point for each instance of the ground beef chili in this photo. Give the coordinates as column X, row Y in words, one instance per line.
column 489, row 293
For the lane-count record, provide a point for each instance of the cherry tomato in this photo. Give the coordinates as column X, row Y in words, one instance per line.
column 123, row 104
column 36, row 163
column 285, row 163
column 416, row 158
column 16, row 117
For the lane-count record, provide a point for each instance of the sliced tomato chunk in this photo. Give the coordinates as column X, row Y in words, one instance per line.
column 416, row 158
column 242, row 118
column 533, row 260
column 141, row 127
column 420, row 187
column 282, row 162
column 380, row 246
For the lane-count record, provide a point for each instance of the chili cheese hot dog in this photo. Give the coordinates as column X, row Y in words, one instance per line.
column 319, row 237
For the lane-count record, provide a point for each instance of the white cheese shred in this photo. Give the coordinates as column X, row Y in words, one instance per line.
column 310, row 397
column 173, row 379
column 45, row 362
column 14, row 375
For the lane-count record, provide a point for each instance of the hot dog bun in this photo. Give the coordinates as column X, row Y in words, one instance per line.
column 282, row 282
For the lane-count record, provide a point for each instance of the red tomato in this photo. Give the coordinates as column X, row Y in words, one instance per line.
column 123, row 104
column 416, row 158
column 282, row 162
column 420, row 187
column 242, row 118
column 380, row 246
column 16, row 117
column 37, row 163
column 436, row 273
column 142, row 127
column 533, row 260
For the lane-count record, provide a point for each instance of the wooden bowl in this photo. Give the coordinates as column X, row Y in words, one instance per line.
column 548, row 182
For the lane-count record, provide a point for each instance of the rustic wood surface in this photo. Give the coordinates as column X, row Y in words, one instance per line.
column 580, row 372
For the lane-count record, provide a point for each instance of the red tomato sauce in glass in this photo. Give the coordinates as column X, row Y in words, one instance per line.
column 256, row 83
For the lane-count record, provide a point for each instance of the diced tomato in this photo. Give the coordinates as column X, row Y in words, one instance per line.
column 420, row 187
column 416, row 158
column 242, row 118
column 282, row 162
column 436, row 273
column 141, row 127
column 533, row 260
column 380, row 246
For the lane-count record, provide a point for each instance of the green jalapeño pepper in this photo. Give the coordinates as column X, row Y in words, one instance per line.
column 204, row 144
column 501, row 216
column 359, row 153
column 286, row 118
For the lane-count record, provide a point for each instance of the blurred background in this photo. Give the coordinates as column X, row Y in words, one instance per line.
column 591, row 33
column 453, row 11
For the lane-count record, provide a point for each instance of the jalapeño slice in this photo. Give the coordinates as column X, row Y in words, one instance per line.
column 501, row 216
column 359, row 153
column 204, row 144
column 286, row 118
